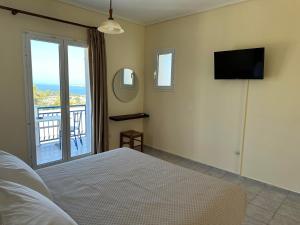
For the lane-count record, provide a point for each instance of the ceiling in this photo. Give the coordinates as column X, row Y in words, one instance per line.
column 152, row 11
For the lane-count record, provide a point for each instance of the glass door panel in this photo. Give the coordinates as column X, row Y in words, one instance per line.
column 45, row 70
column 79, row 101
column 59, row 108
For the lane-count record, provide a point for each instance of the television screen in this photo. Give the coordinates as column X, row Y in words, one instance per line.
column 240, row 64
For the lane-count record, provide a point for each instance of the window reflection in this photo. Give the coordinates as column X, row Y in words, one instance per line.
column 128, row 77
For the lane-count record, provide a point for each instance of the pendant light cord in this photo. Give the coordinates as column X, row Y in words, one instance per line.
column 110, row 11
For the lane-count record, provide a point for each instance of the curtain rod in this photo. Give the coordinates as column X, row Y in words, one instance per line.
column 17, row 11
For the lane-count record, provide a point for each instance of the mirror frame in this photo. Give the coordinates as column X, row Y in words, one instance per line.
column 136, row 82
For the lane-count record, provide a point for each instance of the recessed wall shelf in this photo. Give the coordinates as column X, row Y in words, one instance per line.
column 129, row 117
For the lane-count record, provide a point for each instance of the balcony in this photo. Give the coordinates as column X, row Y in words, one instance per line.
column 48, row 130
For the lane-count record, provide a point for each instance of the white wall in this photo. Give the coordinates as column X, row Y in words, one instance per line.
column 201, row 119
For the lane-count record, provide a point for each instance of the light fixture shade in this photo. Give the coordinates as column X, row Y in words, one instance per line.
column 111, row 27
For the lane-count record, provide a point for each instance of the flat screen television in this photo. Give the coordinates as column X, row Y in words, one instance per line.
column 240, row 64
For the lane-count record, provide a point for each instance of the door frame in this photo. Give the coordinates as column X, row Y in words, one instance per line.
column 64, row 95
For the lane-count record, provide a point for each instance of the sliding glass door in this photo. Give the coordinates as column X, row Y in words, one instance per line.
column 79, row 100
column 46, row 88
column 58, row 99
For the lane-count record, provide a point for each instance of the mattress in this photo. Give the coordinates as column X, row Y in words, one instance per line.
column 126, row 187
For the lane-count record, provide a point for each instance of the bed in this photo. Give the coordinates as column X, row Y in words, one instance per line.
column 126, row 187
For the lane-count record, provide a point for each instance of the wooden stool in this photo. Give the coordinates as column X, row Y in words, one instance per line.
column 132, row 135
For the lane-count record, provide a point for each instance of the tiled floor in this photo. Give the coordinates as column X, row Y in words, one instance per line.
column 267, row 205
column 50, row 152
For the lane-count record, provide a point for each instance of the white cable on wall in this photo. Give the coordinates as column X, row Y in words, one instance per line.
column 244, row 124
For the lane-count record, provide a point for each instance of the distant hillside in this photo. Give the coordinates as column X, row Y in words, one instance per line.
column 74, row 90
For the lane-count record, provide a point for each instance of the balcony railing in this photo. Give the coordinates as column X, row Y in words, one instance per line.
column 48, row 122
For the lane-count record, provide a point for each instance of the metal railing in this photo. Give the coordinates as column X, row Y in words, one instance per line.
column 48, row 122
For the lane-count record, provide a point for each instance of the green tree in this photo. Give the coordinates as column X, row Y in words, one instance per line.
column 52, row 98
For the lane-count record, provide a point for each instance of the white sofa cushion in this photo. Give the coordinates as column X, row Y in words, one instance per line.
column 15, row 170
column 20, row 205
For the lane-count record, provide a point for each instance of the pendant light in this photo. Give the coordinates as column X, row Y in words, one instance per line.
column 110, row 26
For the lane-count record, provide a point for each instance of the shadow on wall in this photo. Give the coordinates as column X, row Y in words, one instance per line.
column 277, row 56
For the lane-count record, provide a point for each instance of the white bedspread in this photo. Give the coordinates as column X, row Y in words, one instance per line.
column 126, row 187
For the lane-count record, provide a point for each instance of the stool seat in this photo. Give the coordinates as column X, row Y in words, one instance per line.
column 133, row 136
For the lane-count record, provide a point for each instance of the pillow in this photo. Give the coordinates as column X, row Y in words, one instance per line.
column 15, row 170
column 20, row 205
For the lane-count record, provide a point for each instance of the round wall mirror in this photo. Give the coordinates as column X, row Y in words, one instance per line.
column 125, row 85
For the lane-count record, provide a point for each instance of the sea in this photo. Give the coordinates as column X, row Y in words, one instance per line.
column 75, row 90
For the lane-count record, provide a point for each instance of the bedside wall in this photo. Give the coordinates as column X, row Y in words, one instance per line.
column 202, row 118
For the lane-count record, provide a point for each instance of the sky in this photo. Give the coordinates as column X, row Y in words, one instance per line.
column 45, row 64
column 165, row 69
